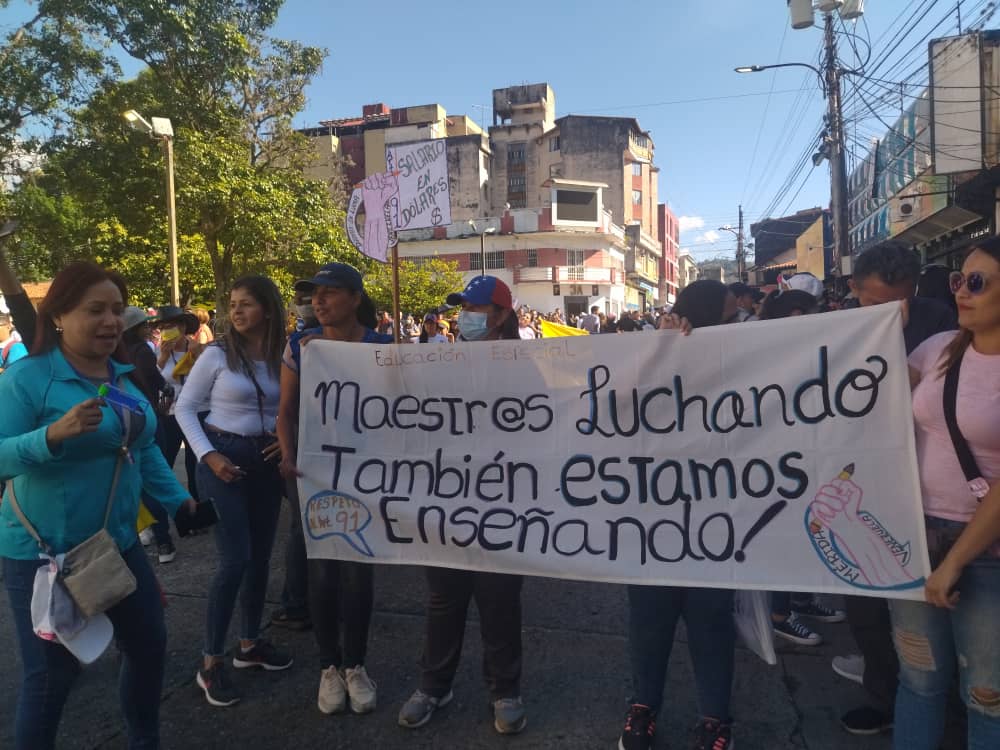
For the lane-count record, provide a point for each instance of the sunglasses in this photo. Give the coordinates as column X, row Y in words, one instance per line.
column 975, row 282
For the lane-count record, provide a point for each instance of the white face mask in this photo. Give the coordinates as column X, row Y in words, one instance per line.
column 472, row 325
column 304, row 311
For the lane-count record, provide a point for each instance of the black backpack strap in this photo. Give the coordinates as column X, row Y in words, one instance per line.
column 977, row 484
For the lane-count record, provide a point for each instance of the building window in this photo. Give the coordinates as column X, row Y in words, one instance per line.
column 517, row 195
column 532, row 258
column 515, row 153
column 554, row 143
column 495, row 259
column 636, row 197
column 574, row 261
column 637, row 169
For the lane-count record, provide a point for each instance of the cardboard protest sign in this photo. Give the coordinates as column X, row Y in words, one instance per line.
column 775, row 455
column 413, row 193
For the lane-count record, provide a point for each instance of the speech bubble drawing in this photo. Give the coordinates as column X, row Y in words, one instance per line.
column 335, row 514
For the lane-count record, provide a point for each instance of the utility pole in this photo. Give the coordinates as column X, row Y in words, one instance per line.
column 838, row 161
column 741, row 260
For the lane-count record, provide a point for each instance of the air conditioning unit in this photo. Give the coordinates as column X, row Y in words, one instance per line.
column 904, row 210
column 556, row 170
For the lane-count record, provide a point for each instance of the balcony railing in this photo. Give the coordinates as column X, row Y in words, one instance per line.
column 585, row 274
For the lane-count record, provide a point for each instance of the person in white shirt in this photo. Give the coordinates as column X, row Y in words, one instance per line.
column 590, row 322
column 237, row 381
column 524, row 329
column 429, row 332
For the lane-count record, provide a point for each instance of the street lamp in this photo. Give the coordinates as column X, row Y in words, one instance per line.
column 759, row 68
column 160, row 128
column 833, row 146
column 482, row 244
column 738, row 234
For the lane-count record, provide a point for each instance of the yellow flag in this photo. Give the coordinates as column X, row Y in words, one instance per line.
column 555, row 330
column 184, row 365
column 145, row 519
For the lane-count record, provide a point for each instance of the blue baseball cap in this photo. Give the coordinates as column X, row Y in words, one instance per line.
column 483, row 290
column 339, row 275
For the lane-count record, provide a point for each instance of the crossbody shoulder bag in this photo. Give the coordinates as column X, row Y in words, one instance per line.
column 93, row 572
column 977, row 484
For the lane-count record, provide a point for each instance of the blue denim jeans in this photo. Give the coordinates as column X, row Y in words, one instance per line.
column 295, row 593
column 244, row 535
column 711, row 632
column 932, row 642
column 49, row 670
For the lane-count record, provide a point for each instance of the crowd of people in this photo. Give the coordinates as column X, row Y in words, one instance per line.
column 100, row 396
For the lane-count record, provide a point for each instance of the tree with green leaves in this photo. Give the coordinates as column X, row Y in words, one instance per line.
column 423, row 284
column 244, row 204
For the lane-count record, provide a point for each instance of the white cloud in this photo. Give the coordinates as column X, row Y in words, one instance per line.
column 687, row 223
column 710, row 236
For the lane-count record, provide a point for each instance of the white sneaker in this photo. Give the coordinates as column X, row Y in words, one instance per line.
column 361, row 689
column 850, row 667
column 332, row 697
column 146, row 536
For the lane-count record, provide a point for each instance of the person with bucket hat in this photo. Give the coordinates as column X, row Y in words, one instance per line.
column 63, row 444
column 136, row 339
column 176, row 355
column 338, row 590
column 487, row 314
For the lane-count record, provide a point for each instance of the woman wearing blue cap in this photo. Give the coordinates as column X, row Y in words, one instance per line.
column 487, row 314
column 345, row 313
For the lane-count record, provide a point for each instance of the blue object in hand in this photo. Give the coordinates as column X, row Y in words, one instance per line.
column 121, row 398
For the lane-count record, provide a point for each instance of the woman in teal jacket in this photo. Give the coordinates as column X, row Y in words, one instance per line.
column 59, row 444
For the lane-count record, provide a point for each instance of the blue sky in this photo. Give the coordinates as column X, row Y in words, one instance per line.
column 721, row 138
column 645, row 59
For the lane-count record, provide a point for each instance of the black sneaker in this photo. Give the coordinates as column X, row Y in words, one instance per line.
column 796, row 632
column 866, row 720
column 640, row 726
column 166, row 552
column 816, row 611
column 219, row 691
column 262, row 654
column 713, row 734
column 293, row 619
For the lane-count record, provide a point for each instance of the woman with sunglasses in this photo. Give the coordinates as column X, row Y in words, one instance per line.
column 955, row 628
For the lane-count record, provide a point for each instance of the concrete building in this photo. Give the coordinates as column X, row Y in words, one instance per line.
column 933, row 180
column 687, row 269
column 568, row 206
column 669, row 233
column 776, row 246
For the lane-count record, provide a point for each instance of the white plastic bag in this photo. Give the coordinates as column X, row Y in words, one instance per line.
column 752, row 613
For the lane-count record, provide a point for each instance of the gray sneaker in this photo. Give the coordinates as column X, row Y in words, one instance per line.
column 508, row 715
column 418, row 710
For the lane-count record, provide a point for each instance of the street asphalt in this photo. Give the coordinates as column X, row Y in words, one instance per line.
column 575, row 684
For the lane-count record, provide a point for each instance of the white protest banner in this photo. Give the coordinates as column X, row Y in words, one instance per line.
column 775, row 455
column 421, row 170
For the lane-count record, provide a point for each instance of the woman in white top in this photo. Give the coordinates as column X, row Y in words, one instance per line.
column 429, row 333
column 237, row 380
